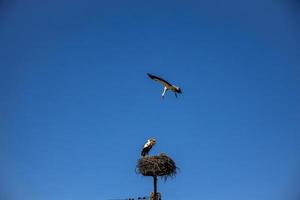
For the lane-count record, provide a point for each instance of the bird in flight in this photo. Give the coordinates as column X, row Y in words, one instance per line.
column 166, row 84
column 147, row 147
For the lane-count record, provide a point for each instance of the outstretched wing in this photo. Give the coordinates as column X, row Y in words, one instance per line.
column 162, row 81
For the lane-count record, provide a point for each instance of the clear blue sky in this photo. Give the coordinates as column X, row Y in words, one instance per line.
column 76, row 105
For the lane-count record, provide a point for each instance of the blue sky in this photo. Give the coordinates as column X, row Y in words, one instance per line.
column 76, row 105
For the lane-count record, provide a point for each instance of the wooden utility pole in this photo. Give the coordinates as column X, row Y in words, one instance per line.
column 155, row 195
column 155, row 185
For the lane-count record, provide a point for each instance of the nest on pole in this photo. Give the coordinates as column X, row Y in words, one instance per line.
column 161, row 165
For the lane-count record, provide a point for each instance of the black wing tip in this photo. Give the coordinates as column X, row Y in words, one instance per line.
column 150, row 75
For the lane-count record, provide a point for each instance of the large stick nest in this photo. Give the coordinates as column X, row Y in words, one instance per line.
column 161, row 165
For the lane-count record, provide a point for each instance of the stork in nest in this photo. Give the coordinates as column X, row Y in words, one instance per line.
column 148, row 146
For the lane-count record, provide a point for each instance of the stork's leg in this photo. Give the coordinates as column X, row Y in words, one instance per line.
column 175, row 94
column 164, row 92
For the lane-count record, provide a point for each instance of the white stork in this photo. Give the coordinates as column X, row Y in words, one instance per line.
column 167, row 85
column 147, row 147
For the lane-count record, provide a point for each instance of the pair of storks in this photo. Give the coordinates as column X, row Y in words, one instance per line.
column 167, row 86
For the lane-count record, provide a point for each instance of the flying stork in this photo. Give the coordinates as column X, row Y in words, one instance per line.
column 166, row 84
column 147, row 147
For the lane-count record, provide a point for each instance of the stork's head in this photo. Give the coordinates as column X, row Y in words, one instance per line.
column 152, row 141
column 178, row 89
